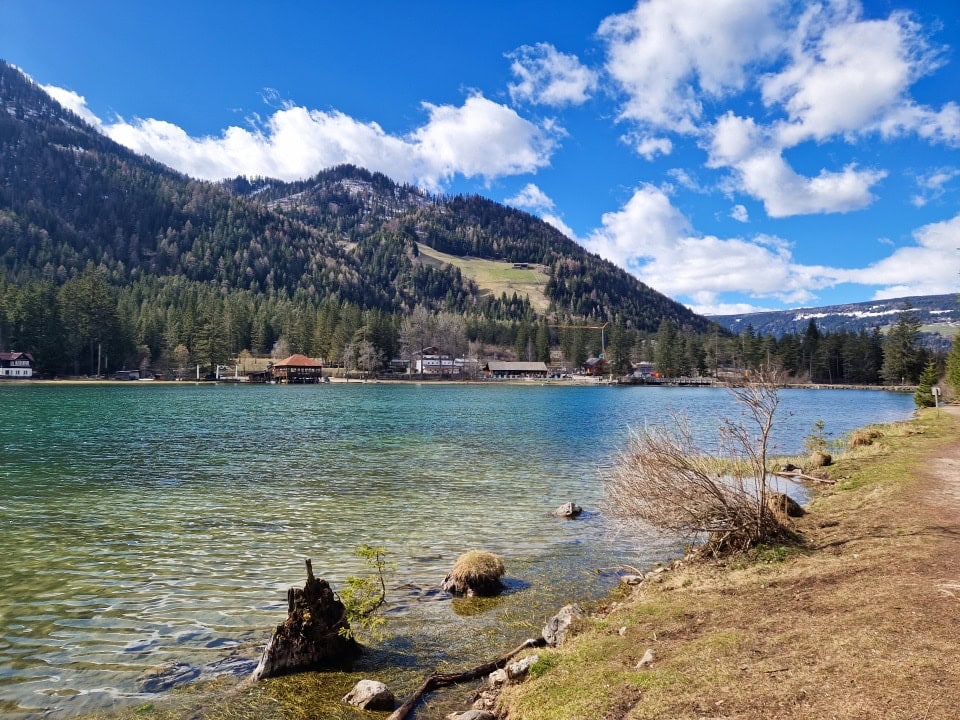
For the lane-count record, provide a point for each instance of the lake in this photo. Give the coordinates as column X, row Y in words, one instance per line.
column 145, row 524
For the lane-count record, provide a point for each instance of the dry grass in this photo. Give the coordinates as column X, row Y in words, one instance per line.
column 861, row 621
column 864, row 437
column 478, row 570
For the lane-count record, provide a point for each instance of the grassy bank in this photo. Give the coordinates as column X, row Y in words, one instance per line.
column 860, row 620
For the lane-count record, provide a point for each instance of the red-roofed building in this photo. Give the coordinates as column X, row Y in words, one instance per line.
column 297, row 369
column 16, row 365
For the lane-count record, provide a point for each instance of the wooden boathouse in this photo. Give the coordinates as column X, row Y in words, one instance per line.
column 296, row 370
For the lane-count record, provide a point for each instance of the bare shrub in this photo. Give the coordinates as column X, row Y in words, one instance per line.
column 665, row 482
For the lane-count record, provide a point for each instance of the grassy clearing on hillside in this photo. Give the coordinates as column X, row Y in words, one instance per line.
column 853, row 623
column 496, row 277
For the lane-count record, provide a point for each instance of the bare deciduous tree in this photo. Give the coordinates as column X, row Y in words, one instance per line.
column 664, row 482
column 416, row 333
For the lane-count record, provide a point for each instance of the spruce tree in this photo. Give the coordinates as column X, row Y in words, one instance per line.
column 901, row 351
column 953, row 366
column 923, row 397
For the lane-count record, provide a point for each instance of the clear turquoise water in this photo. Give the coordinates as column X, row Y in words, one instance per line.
column 143, row 524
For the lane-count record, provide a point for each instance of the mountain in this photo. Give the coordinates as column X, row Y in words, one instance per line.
column 937, row 313
column 70, row 196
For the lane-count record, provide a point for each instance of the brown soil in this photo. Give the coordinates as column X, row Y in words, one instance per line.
column 861, row 621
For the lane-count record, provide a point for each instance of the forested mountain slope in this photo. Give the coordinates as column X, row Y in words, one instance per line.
column 101, row 247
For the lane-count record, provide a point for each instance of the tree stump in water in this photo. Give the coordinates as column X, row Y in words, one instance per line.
column 311, row 635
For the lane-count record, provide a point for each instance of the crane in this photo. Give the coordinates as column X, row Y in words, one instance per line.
column 601, row 328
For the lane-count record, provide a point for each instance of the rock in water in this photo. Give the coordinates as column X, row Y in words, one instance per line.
column 568, row 510
column 311, row 635
column 557, row 627
column 166, row 676
column 371, row 695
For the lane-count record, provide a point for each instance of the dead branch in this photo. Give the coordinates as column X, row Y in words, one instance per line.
column 439, row 680
column 802, row 476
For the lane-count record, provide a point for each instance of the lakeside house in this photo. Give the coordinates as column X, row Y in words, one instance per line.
column 595, row 366
column 16, row 365
column 432, row 362
column 507, row 370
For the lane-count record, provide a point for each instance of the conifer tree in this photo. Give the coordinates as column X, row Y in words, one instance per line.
column 923, row 397
column 953, row 366
column 900, row 351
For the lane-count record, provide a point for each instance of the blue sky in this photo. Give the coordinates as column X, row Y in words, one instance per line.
column 734, row 154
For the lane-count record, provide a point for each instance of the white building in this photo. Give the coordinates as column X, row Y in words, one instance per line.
column 432, row 362
column 17, row 365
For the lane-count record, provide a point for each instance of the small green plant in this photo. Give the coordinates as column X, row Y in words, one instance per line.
column 362, row 597
column 772, row 553
column 545, row 662
column 817, row 439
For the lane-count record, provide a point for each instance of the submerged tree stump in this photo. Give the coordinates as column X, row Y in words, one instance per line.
column 312, row 635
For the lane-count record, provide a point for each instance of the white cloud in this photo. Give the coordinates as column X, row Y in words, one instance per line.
column 531, row 197
column 74, row 102
column 535, row 200
column 649, row 147
column 706, row 303
column 559, row 224
column 480, row 138
column 740, row 214
column 937, row 126
column 927, row 268
column 823, row 72
column 684, row 179
column 932, row 185
column 652, row 239
column 547, row 76
column 847, row 75
column 665, row 54
column 738, row 143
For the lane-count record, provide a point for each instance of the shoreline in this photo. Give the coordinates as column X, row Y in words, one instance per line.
column 545, row 382
column 849, row 610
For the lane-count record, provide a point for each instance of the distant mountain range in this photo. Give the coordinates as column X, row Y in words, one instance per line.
column 69, row 196
column 937, row 314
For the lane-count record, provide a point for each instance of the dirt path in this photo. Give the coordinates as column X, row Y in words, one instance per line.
column 942, row 503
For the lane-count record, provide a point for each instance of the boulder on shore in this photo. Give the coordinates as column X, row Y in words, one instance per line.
column 783, row 504
column 475, row 573
column 568, row 510
column 371, row 695
column 557, row 627
column 820, row 459
column 472, row 715
column 311, row 636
